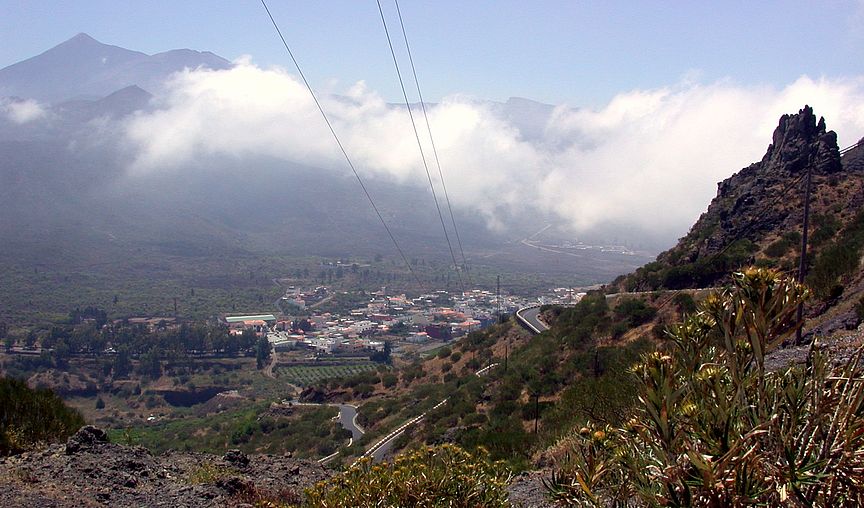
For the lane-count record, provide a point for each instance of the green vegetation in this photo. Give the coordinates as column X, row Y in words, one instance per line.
column 135, row 286
column 685, row 303
column 703, row 272
column 306, row 431
column 305, row 375
column 837, row 260
column 441, row 476
column 209, row 473
column 714, row 427
column 32, row 417
column 84, row 335
column 779, row 248
column 516, row 410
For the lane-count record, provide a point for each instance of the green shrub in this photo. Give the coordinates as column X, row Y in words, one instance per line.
column 389, row 380
column 777, row 249
column 837, row 260
column 685, row 303
column 437, row 476
column 634, row 312
column 31, row 417
column 715, row 428
column 444, row 352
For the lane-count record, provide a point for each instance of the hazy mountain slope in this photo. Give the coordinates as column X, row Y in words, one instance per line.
column 83, row 67
column 71, row 202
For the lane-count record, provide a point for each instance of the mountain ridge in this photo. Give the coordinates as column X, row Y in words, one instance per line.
column 759, row 204
column 84, row 68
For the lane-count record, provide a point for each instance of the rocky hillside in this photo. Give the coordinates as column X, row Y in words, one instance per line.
column 90, row 471
column 757, row 214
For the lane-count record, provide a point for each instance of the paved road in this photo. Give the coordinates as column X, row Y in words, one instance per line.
column 348, row 419
column 530, row 317
column 380, row 449
column 268, row 370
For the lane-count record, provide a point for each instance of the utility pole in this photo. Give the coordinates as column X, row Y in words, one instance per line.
column 498, row 299
column 536, row 411
column 803, row 264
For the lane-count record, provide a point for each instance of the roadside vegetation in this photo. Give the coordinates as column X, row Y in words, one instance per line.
column 837, row 261
column 574, row 373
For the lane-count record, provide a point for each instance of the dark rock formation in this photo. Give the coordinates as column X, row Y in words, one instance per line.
column 236, row 458
column 87, row 438
column 742, row 206
column 757, row 205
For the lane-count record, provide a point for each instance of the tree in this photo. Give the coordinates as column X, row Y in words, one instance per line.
column 100, row 404
column 383, row 356
column 262, row 352
column 122, row 365
column 30, row 341
column 61, row 354
column 150, row 364
column 301, row 324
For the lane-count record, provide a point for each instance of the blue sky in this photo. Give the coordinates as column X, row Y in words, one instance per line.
column 574, row 52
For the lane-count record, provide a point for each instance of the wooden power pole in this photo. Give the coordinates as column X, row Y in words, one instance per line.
column 803, row 264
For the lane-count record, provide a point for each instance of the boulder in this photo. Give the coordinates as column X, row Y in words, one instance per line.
column 87, row 437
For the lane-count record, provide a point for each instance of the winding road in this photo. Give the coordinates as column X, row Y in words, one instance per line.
column 529, row 317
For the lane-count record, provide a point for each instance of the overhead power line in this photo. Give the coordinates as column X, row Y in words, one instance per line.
column 420, row 145
column 432, row 140
column 342, row 148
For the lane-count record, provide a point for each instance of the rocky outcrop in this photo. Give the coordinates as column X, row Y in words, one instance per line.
column 87, row 438
column 90, row 471
column 766, row 196
column 760, row 203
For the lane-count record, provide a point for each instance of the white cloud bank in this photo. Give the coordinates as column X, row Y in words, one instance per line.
column 649, row 158
column 22, row 111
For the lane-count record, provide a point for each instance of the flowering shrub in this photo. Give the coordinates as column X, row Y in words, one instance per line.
column 444, row 475
column 713, row 427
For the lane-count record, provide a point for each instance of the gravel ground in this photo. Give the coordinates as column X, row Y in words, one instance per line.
column 89, row 471
column 527, row 490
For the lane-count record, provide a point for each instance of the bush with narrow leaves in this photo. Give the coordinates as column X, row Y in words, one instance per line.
column 444, row 475
column 714, row 427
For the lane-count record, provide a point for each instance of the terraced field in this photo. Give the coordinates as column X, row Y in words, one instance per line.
column 303, row 375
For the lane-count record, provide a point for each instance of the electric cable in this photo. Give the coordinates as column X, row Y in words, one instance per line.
column 342, row 148
column 432, row 140
column 420, row 146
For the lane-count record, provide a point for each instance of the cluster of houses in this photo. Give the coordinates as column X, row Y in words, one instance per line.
column 437, row 316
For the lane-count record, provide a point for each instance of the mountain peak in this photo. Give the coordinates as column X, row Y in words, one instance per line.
column 800, row 139
column 84, row 68
column 761, row 205
column 82, row 37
